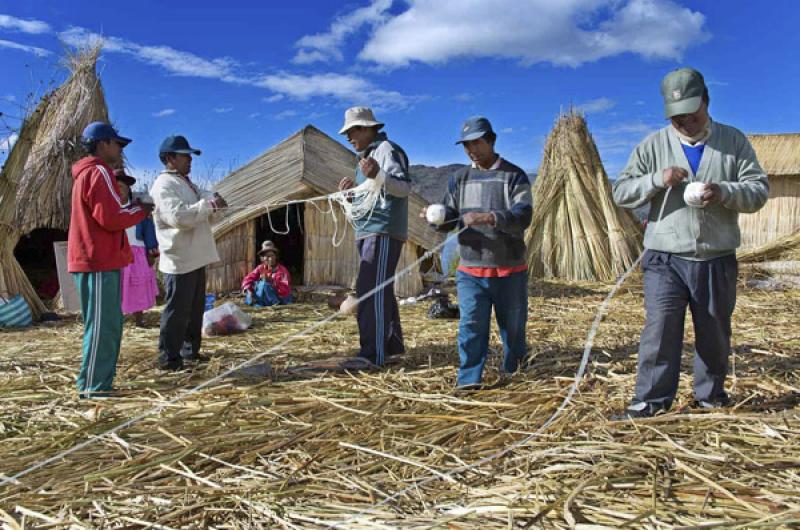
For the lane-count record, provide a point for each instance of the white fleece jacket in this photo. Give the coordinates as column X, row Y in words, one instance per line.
column 183, row 224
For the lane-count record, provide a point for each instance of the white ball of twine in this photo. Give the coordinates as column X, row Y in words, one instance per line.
column 693, row 194
column 435, row 214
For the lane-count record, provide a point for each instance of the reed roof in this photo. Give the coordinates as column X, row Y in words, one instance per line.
column 308, row 163
column 778, row 154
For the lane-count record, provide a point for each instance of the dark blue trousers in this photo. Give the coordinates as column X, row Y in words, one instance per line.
column 378, row 316
column 182, row 318
column 709, row 289
column 476, row 296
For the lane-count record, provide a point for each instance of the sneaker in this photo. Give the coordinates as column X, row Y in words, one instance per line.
column 357, row 364
column 170, row 365
column 637, row 411
column 720, row 402
column 468, row 387
column 98, row 394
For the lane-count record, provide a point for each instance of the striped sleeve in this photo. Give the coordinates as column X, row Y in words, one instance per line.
column 101, row 194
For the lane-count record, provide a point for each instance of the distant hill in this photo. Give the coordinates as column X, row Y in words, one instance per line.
column 431, row 182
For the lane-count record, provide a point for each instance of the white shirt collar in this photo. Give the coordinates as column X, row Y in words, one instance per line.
column 495, row 166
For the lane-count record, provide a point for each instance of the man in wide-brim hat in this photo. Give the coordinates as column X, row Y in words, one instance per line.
column 380, row 238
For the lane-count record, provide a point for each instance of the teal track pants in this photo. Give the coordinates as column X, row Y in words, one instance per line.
column 101, row 307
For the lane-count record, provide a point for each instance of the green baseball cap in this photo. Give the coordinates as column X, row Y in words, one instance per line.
column 682, row 90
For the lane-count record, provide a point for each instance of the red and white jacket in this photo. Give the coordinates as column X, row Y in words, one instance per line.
column 280, row 279
column 97, row 240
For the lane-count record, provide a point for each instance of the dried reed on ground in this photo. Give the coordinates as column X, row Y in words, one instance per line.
column 787, row 247
column 38, row 185
column 577, row 232
column 307, row 453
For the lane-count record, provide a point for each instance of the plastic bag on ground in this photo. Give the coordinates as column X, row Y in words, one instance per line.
column 225, row 319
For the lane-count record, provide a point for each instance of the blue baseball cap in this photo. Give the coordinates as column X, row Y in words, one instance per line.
column 177, row 144
column 99, row 130
column 474, row 128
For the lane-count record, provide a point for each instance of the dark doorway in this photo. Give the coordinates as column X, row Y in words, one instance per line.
column 285, row 228
column 35, row 254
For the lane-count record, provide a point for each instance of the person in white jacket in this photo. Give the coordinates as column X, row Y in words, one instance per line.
column 183, row 228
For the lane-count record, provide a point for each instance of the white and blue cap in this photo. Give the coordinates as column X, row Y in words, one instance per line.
column 475, row 127
column 99, row 130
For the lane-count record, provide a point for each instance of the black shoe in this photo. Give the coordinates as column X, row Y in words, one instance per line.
column 171, row 365
column 195, row 359
column 720, row 402
column 468, row 388
column 633, row 414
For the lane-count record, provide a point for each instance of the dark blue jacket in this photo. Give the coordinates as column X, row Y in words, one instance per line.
column 146, row 231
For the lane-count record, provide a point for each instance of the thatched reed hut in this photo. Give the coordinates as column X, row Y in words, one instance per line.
column 36, row 183
column 577, row 232
column 307, row 164
column 779, row 155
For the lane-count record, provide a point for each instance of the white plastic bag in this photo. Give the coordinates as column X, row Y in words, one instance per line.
column 225, row 319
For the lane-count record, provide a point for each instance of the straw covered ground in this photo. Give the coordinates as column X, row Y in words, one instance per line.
column 309, row 451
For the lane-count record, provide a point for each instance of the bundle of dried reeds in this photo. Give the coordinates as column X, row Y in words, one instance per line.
column 577, row 232
column 309, row 451
column 45, row 188
column 12, row 278
column 36, row 183
column 785, row 247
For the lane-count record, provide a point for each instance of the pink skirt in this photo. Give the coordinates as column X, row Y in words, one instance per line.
column 139, row 285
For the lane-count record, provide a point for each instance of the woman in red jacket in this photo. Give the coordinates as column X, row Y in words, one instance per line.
column 269, row 283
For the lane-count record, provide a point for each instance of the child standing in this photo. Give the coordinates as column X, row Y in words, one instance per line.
column 139, row 284
column 269, row 283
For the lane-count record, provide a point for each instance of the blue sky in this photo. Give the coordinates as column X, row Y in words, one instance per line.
column 240, row 78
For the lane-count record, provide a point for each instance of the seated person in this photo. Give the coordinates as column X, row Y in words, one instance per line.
column 268, row 284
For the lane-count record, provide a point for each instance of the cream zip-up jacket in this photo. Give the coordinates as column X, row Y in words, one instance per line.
column 183, row 216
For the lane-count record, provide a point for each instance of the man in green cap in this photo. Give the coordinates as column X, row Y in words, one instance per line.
column 690, row 252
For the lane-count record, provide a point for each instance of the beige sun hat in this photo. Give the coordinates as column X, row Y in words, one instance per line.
column 359, row 117
column 268, row 246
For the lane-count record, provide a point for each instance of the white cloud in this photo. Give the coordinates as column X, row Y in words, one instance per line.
column 22, row 25
column 39, row 52
column 324, row 47
column 164, row 112
column 223, row 110
column 463, row 97
column 174, row 61
column 254, row 115
column 342, row 87
column 286, row 114
column 596, row 105
column 561, row 32
column 507, row 130
column 9, row 98
column 8, row 142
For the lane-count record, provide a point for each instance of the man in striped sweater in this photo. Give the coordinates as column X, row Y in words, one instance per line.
column 492, row 197
column 97, row 249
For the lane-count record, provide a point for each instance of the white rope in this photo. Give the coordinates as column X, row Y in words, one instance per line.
column 601, row 312
column 4, row 480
